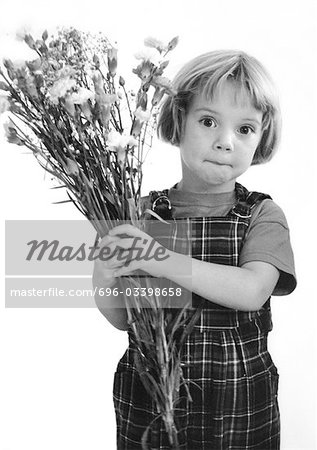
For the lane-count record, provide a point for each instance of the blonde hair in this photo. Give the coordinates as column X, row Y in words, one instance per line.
column 208, row 72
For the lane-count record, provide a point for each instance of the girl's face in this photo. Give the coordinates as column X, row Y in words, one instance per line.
column 219, row 140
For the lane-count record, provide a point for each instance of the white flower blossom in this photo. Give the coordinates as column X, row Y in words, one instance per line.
column 143, row 116
column 152, row 42
column 162, row 82
column 106, row 99
column 70, row 107
column 60, row 88
column 66, row 72
column 22, row 32
column 149, row 54
column 18, row 64
column 98, row 82
column 81, row 96
column 117, row 141
column 86, row 111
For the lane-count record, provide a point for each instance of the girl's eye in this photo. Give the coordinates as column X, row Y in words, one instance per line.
column 245, row 129
column 208, row 122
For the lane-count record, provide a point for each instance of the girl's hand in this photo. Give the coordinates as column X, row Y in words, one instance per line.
column 105, row 264
column 134, row 249
column 113, row 308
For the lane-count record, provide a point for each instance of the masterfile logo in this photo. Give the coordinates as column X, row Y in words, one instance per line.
column 50, row 263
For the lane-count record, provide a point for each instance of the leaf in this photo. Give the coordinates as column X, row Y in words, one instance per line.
column 146, row 432
column 59, row 187
column 108, row 197
column 133, row 212
column 192, row 322
column 63, row 201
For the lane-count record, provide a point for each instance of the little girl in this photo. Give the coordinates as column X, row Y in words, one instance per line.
column 224, row 118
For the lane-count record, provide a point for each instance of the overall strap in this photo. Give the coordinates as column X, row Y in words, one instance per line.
column 160, row 204
column 246, row 201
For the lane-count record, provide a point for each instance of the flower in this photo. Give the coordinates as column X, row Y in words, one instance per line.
column 137, row 127
column 81, row 96
column 119, row 141
column 144, row 70
column 35, row 65
column 69, row 106
column 104, row 102
column 162, row 82
column 143, row 116
column 4, row 104
column 65, row 72
column 106, row 99
column 45, row 35
column 112, row 61
column 105, row 112
column 96, row 61
column 22, row 32
column 86, row 110
column 18, row 64
column 4, row 86
column 148, row 54
column 60, row 88
column 11, row 133
column 30, row 85
column 29, row 40
column 152, row 42
column 98, row 82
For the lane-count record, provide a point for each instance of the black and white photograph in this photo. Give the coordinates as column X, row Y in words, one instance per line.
column 158, row 184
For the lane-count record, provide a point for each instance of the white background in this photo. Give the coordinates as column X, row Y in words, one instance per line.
column 58, row 364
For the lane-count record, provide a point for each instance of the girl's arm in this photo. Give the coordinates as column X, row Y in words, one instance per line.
column 116, row 316
column 245, row 288
column 111, row 306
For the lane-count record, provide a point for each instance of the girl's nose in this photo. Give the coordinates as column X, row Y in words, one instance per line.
column 224, row 142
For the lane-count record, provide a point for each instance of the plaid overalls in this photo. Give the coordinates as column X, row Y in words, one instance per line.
column 231, row 377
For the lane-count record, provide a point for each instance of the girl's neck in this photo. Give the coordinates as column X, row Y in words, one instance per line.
column 208, row 189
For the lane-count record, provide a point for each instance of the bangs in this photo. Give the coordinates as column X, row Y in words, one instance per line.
column 246, row 88
column 208, row 73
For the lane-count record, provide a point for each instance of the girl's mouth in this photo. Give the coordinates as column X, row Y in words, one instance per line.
column 217, row 163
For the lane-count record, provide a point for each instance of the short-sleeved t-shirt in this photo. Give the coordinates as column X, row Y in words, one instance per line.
column 267, row 238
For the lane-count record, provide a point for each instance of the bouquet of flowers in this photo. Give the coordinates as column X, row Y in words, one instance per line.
column 85, row 127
